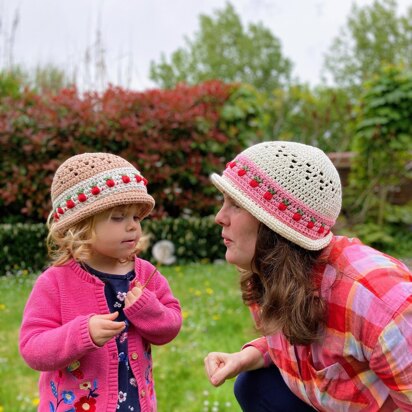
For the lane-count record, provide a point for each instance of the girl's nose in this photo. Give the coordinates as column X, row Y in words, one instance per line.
column 132, row 224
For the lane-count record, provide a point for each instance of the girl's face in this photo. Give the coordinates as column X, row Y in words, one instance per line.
column 239, row 233
column 117, row 233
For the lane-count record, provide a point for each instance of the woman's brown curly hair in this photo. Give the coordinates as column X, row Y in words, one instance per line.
column 282, row 284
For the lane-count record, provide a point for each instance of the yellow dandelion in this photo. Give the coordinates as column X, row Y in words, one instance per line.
column 35, row 401
column 198, row 293
column 1, row 409
column 209, row 291
column 215, row 317
column 2, row 307
column 185, row 314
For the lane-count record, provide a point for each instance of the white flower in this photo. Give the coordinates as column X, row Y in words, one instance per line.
column 122, row 396
column 163, row 252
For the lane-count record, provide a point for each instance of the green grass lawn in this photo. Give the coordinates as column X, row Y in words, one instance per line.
column 214, row 320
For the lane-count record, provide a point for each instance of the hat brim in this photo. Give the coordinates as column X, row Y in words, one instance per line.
column 223, row 185
column 119, row 199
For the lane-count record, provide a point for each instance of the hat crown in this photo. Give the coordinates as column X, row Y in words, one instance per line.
column 82, row 167
column 305, row 172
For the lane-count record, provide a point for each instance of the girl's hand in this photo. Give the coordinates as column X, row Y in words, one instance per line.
column 133, row 295
column 102, row 328
column 220, row 366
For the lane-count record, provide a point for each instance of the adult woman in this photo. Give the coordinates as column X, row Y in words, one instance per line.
column 335, row 315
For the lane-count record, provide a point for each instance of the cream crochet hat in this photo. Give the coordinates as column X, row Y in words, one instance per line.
column 90, row 183
column 292, row 188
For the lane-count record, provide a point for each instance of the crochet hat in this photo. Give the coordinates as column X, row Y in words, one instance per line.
column 292, row 188
column 90, row 183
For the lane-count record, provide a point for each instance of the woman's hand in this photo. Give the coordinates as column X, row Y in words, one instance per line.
column 103, row 327
column 220, row 366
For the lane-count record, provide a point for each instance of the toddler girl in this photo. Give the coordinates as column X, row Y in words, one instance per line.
column 92, row 316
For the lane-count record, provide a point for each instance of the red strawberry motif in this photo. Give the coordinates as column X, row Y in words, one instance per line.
column 269, row 194
column 283, row 205
column 60, row 210
column 255, row 181
column 82, row 197
column 298, row 215
column 126, row 179
column 109, row 182
column 145, row 181
column 242, row 171
column 231, row 164
column 311, row 223
column 95, row 190
column 56, row 217
column 138, row 178
column 70, row 204
column 321, row 229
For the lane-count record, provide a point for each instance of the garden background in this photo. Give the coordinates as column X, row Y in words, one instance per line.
column 214, row 99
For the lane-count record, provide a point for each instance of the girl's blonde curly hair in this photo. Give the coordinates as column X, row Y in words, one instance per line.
column 76, row 242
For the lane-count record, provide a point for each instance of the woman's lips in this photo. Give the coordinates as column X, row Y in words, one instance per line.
column 227, row 241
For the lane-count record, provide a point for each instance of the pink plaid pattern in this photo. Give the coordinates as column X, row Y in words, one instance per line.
column 364, row 359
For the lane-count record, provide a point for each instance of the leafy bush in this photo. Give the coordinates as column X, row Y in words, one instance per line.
column 383, row 147
column 23, row 247
column 195, row 239
column 176, row 138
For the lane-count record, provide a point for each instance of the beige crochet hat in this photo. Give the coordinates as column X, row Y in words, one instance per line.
column 292, row 188
column 90, row 183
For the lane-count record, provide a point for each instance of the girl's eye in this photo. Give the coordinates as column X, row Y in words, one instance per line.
column 136, row 218
column 117, row 218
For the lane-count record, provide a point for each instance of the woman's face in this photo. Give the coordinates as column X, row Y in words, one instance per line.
column 239, row 232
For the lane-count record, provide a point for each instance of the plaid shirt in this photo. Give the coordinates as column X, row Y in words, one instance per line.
column 364, row 359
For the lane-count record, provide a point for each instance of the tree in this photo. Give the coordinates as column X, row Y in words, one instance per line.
column 223, row 49
column 383, row 147
column 374, row 36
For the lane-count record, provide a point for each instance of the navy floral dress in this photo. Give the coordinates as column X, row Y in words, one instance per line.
column 116, row 287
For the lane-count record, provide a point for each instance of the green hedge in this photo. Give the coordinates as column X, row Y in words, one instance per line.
column 195, row 239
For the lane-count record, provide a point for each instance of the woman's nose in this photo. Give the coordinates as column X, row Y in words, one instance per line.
column 221, row 217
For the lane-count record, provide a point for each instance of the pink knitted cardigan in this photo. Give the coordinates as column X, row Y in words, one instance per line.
column 76, row 374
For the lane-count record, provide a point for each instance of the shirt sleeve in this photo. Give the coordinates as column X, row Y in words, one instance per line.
column 391, row 359
column 260, row 343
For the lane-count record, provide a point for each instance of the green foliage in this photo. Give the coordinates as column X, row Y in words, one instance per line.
column 319, row 117
column 23, row 246
column 11, row 82
column 214, row 320
column 374, row 36
column 195, row 239
column 383, row 146
column 223, row 49
column 176, row 138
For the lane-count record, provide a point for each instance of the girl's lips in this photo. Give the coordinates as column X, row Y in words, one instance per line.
column 129, row 242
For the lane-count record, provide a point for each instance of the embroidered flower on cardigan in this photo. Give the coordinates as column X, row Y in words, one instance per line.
column 65, row 397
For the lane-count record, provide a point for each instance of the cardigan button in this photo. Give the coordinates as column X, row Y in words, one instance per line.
column 143, row 393
column 134, row 355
